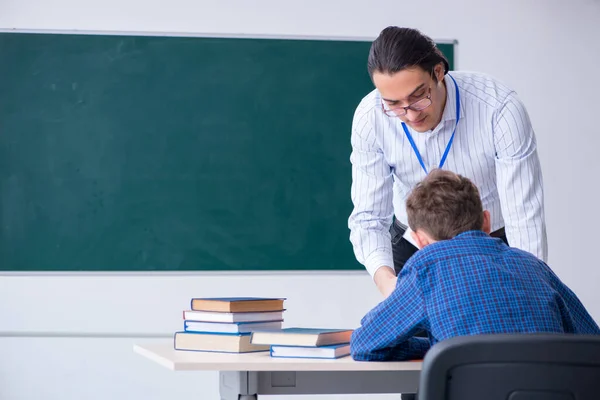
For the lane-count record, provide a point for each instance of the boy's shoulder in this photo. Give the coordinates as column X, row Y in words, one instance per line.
column 472, row 244
column 426, row 256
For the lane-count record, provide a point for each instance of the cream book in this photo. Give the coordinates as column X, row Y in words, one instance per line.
column 208, row 316
column 216, row 342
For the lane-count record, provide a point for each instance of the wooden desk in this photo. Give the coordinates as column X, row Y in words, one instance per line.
column 245, row 376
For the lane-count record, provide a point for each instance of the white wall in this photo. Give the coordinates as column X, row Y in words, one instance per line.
column 548, row 51
column 97, row 369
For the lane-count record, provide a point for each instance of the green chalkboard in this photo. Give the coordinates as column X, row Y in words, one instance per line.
column 137, row 153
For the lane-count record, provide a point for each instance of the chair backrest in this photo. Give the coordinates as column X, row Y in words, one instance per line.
column 512, row 367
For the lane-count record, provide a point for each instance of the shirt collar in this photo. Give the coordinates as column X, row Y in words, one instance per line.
column 471, row 234
column 449, row 113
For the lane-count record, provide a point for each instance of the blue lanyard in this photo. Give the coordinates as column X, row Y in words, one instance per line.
column 414, row 146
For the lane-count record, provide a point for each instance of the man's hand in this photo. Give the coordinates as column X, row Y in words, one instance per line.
column 385, row 279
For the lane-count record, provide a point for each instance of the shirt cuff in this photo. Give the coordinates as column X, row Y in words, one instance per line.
column 378, row 259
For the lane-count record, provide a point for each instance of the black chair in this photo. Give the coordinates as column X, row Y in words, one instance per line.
column 512, row 367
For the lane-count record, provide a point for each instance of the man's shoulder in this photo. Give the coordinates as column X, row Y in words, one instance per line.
column 482, row 88
column 365, row 120
column 479, row 79
column 368, row 104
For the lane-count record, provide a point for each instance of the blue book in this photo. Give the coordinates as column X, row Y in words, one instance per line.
column 330, row 352
column 308, row 337
column 237, row 304
column 233, row 327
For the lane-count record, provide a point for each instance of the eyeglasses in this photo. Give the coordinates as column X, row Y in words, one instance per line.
column 418, row 105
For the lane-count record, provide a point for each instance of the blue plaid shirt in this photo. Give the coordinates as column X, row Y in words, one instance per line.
column 471, row 284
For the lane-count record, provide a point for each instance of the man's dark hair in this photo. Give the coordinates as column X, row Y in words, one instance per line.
column 444, row 205
column 398, row 48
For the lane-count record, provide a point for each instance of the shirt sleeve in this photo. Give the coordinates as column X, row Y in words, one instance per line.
column 371, row 194
column 519, row 178
column 387, row 331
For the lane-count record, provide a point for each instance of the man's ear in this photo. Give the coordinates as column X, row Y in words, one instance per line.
column 438, row 70
column 421, row 238
column 487, row 222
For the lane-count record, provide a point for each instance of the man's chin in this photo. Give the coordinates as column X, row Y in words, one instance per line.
column 420, row 128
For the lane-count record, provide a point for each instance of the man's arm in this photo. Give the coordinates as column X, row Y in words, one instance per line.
column 371, row 194
column 519, row 178
column 386, row 332
column 385, row 278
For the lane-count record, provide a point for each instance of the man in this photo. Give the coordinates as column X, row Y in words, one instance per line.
column 463, row 281
column 421, row 117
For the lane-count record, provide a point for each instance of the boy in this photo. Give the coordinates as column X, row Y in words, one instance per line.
column 463, row 281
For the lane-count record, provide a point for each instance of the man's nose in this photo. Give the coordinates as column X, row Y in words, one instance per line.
column 412, row 115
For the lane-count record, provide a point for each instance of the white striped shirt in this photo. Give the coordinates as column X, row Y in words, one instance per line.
column 494, row 146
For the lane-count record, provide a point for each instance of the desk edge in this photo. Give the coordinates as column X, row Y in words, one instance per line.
column 183, row 366
column 154, row 357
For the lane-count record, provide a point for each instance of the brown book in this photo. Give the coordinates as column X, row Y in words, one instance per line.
column 237, row 304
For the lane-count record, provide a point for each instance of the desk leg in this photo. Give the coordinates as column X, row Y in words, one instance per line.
column 234, row 385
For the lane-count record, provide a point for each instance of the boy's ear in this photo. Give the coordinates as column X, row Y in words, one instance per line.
column 487, row 222
column 421, row 238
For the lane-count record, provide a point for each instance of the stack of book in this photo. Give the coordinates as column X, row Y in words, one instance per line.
column 305, row 342
column 225, row 324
